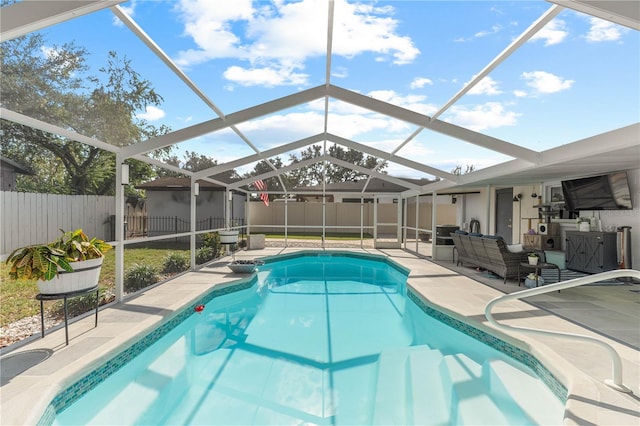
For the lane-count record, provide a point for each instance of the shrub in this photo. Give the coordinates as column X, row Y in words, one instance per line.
column 204, row 254
column 140, row 276
column 210, row 239
column 81, row 304
column 175, row 262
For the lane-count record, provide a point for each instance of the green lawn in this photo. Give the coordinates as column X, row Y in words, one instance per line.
column 17, row 297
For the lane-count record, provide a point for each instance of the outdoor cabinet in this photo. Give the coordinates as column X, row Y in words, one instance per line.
column 591, row 252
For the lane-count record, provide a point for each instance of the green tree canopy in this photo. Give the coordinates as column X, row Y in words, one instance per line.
column 53, row 87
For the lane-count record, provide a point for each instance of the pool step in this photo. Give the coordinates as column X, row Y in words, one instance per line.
column 509, row 382
column 419, row 385
column 471, row 400
column 426, row 404
column 393, row 385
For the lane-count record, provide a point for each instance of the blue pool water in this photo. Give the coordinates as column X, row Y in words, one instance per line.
column 321, row 339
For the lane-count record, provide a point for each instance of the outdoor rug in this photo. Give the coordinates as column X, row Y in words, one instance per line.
column 551, row 276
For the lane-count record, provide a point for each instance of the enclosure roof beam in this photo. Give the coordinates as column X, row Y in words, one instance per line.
column 439, row 126
column 515, row 45
column 391, row 157
column 228, row 121
column 283, row 170
column 158, row 163
column 25, row 17
column 281, row 149
column 18, row 118
column 373, row 173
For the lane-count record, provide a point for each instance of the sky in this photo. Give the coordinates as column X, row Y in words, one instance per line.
column 579, row 76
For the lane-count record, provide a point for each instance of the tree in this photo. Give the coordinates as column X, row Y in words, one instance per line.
column 311, row 175
column 272, row 184
column 331, row 173
column 458, row 169
column 51, row 88
column 195, row 162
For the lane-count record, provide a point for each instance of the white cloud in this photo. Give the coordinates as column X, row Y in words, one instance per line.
column 544, row 83
column 340, row 72
column 267, row 77
column 602, row 30
column 481, row 117
column 281, row 36
column 412, row 102
column 420, row 82
column 480, row 34
column 151, row 113
column 519, row 93
column 553, row 33
column 486, row 86
column 494, row 30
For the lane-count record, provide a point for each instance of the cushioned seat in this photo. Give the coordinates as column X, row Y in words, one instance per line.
column 488, row 252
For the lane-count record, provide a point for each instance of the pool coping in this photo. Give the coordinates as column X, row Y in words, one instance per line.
column 585, row 402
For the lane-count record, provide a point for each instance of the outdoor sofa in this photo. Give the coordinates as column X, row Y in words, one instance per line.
column 489, row 252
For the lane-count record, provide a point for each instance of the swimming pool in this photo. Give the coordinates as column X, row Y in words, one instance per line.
column 318, row 338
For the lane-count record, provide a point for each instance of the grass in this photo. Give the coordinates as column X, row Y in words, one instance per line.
column 17, row 297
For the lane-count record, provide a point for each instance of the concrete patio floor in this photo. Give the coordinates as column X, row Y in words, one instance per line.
column 582, row 367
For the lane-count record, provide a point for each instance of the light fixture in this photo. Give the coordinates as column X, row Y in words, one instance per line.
column 196, row 189
column 454, row 199
column 125, row 174
column 533, row 192
column 517, row 197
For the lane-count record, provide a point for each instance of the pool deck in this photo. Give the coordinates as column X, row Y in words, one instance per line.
column 582, row 367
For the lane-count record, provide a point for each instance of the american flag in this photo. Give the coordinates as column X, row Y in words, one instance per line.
column 263, row 195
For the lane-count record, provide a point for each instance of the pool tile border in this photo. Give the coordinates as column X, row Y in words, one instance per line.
column 72, row 393
column 315, row 253
column 558, row 389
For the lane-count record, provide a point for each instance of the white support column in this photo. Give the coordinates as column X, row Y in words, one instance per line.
column 247, row 212
column 119, row 221
column 361, row 221
column 286, row 220
column 434, row 221
column 375, row 219
column 417, row 219
column 399, row 221
column 487, row 218
column 227, row 210
column 193, row 217
column 324, row 217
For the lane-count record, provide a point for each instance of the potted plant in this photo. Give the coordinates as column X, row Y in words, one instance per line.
column 244, row 266
column 228, row 236
column 533, row 258
column 533, row 280
column 70, row 263
column 583, row 224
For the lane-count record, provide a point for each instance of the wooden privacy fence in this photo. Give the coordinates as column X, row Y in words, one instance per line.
column 29, row 218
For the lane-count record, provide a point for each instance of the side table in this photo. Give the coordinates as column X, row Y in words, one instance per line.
column 537, row 268
column 56, row 296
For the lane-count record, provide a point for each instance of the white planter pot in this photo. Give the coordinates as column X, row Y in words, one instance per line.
column 85, row 275
column 228, row 237
column 529, row 283
column 584, row 227
column 533, row 260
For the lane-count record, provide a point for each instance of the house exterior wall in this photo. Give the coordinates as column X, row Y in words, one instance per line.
column 7, row 179
column 177, row 204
